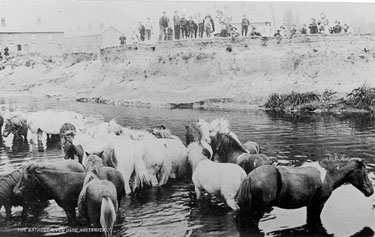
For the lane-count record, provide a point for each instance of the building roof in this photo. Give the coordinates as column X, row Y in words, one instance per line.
column 91, row 32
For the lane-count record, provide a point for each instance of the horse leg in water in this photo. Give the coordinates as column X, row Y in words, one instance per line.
column 39, row 135
column 198, row 192
column 314, row 210
column 71, row 214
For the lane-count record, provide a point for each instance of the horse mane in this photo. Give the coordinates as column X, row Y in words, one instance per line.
column 220, row 125
column 225, row 142
column 136, row 134
column 334, row 161
column 93, row 169
column 8, row 181
column 94, row 165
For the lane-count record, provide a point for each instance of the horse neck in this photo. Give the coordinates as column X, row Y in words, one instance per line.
column 337, row 176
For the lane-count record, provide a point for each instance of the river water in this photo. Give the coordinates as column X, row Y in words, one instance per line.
column 173, row 211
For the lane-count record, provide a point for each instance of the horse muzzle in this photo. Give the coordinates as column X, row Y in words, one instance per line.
column 18, row 191
column 368, row 190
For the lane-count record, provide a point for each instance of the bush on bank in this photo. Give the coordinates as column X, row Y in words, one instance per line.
column 361, row 98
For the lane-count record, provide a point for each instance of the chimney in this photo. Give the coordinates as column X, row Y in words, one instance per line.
column 3, row 22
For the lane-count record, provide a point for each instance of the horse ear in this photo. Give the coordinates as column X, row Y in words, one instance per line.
column 100, row 154
column 361, row 163
column 87, row 154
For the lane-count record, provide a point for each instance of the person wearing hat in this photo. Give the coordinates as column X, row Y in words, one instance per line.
column 176, row 24
column 183, row 26
column 163, row 24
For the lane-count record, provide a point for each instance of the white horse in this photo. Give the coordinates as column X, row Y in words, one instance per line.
column 175, row 148
column 215, row 178
column 50, row 122
column 142, row 159
column 178, row 156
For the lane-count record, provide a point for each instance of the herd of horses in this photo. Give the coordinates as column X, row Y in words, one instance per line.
column 104, row 162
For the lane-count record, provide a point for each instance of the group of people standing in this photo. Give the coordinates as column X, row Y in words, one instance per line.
column 181, row 27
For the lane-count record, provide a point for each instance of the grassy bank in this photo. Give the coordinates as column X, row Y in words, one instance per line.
column 361, row 99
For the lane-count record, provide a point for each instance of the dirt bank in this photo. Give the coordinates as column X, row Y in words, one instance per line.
column 208, row 73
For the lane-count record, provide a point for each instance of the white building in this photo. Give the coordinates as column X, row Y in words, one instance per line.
column 93, row 41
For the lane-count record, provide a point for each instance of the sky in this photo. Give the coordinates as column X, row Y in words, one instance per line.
column 80, row 16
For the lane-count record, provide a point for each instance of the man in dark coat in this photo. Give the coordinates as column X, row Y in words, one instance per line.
column 176, row 24
column 183, row 26
column 163, row 24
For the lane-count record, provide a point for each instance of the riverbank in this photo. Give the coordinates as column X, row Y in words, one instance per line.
column 215, row 73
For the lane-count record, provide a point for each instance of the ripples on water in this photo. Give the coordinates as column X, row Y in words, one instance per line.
column 172, row 210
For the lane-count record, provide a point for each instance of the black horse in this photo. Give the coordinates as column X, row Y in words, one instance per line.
column 296, row 187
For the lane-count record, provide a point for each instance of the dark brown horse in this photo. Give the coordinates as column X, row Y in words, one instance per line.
column 9, row 199
column 296, row 187
column 71, row 151
column 228, row 150
column 58, row 180
column 17, row 126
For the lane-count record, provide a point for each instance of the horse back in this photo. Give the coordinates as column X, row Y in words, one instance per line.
column 95, row 191
column 299, row 186
column 115, row 176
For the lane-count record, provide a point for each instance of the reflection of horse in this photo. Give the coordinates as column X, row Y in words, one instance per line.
column 17, row 126
column 98, row 199
column 230, row 150
column 1, row 124
column 9, row 199
column 290, row 188
column 50, row 122
column 215, row 178
column 58, row 180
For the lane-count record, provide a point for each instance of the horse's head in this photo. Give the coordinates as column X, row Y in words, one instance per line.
column 204, row 127
column 358, row 176
column 27, row 180
column 68, row 149
column 8, row 128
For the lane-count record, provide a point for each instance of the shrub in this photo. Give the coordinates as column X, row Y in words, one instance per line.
column 277, row 101
column 361, row 97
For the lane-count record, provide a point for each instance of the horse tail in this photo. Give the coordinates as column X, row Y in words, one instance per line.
column 243, row 196
column 107, row 216
column 165, row 171
column 141, row 174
